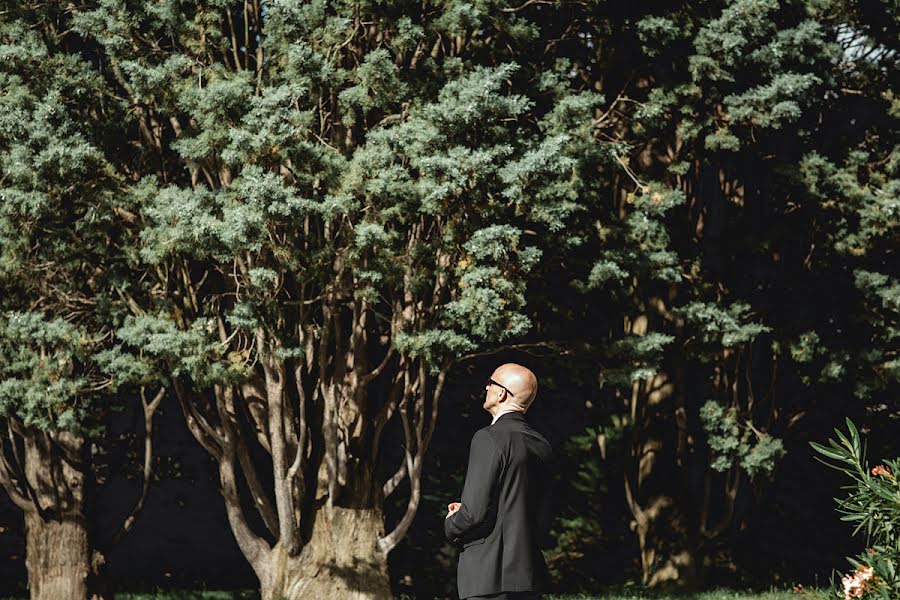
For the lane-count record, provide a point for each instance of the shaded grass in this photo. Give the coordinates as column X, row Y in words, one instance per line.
column 636, row 594
column 192, row 595
column 709, row 595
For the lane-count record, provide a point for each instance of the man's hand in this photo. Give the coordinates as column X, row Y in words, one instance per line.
column 452, row 508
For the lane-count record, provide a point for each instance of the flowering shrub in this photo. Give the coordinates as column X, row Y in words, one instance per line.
column 874, row 505
column 858, row 584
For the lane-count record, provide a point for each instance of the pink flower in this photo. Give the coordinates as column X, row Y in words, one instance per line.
column 856, row 585
column 882, row 470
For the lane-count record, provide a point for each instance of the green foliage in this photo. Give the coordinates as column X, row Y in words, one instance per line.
column 492, row 291
column 772, row 277
column 580, row 529
column 192, row 352
column 221, row 223
column 638, row 247
column 377, row 85
column 723, row 327
column 781, row 49
column 861, row 203
column 873, row 506
column 738, row 444
column 56, row 225
column 40, row 381
column 642, row 353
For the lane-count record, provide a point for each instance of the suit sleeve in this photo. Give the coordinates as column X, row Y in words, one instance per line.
column 479, row 496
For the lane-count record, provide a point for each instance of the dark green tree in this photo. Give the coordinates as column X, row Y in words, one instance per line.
column 754, row 237
column 59, row 271
column 332, row 205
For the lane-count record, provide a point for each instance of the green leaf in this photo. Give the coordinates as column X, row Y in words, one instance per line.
column 854, row 435
column 829, row 452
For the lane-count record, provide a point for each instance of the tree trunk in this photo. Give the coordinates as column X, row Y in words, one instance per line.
column 57, row 557
column 668, row 561
column 339, row 562
column 58, row 552
column 656, row 493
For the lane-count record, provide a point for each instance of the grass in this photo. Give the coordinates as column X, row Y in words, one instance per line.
column 189, row 595
column 640, row 595
column 710, row 595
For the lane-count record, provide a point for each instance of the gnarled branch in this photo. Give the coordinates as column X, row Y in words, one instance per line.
column 149, row 408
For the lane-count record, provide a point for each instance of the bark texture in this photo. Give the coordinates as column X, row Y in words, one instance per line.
column 57, row 557
column 657, row 455
column 58, row 552
column 668, row 558
column 340, row 561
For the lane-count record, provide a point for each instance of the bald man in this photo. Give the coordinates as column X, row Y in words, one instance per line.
column 503, row 514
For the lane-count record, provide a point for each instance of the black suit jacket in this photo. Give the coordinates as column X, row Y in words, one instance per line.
column 505, row 514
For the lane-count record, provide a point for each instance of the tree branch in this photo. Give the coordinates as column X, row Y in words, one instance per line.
column 201, row 429
column 254, row 408
column 9, row 481
column 149, row 408
column 237, row 446
column 254, row 549
column 435, row 400
column 387, row 411
column 275, row 398
column 391, row 484
column 732, row 483
column 524, row 347
column 525, row 5
column 300, row 452
column 414, row 467
column 370, row 376
column 13, row 427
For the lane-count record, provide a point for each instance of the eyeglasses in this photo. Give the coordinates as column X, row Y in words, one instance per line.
column 492, row 382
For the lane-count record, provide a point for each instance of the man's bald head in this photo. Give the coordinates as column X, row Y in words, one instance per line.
column 520, row 381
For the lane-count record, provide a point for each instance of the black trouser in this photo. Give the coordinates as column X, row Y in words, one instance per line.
column 509, row 596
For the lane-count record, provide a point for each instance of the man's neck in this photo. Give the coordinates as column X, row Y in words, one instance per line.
column 503, row 411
